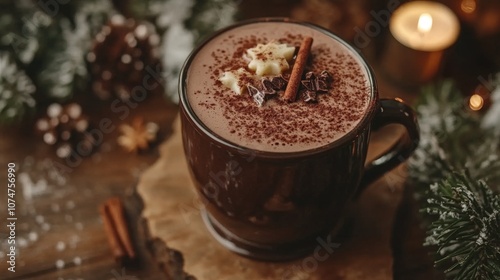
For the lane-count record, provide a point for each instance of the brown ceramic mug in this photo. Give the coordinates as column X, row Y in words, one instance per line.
column 274, row 205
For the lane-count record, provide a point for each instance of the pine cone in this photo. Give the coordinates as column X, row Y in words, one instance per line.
column 122, row 50
column 67, row 129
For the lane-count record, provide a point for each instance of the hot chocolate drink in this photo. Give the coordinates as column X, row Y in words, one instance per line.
column 276, row 118
column 276, row 125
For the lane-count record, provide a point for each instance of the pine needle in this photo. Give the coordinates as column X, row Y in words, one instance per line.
column 456, row 170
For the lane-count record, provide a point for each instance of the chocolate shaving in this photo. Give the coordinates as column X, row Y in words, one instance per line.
column 310, row 96
column 326, row 76
column 316, row 84
column 257, row 95
column 268, row 87
column 275, row 84
column 280, row 82
column 308, row 83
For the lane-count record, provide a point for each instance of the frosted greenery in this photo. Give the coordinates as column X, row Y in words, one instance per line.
column 456, row 171
column 47, row 47
column 465, row 227
column 183, row 24
column 16, row 90
column 44, row 51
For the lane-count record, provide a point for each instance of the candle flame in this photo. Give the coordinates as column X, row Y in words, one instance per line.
column 424, row 23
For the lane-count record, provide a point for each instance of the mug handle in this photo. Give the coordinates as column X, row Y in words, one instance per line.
column 392, row 111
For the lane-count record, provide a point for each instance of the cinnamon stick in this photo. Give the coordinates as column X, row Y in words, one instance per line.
column 115, row 226
column 117, row 213
column 298, row 68
column 114, row 243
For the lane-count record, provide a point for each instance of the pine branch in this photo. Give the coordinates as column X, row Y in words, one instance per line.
column 21, row 24
column 456, row 170
column 451, row 140
column 48, row 50
column 211, row 15
column 490, row 119
column 63, row 67
column 16, row 90
column 466, row 227
column 163, row 13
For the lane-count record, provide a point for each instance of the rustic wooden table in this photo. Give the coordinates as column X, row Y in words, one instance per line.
column 59, row 232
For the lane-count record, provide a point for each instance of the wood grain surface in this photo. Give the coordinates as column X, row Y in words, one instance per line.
column 59, row 232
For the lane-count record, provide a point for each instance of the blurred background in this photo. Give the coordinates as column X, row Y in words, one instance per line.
column 79, row 129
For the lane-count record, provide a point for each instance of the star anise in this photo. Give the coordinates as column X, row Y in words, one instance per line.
column 315, row 84
column 137, row 136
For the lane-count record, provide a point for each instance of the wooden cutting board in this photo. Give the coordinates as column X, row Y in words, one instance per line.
column 171, row 211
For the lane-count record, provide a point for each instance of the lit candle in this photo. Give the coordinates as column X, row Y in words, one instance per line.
column 421, row 32
column 424, row 24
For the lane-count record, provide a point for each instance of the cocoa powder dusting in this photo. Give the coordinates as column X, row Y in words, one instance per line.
column 283, row 124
